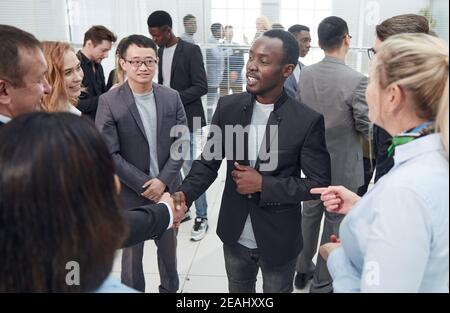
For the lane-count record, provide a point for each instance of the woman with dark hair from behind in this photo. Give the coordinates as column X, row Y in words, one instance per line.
column 58, row 205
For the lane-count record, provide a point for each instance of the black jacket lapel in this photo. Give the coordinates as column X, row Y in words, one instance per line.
column 246, row 119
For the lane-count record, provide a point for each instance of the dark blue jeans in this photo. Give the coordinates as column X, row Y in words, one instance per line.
column 242, row 265
column 201, row 206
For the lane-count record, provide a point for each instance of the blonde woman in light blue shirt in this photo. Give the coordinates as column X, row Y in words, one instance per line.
column 396, row 238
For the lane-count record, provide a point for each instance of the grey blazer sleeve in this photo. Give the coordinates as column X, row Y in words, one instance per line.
column 199, row 86
column 360, row 109
column 146, row 222
column 129, row 174
column 173, row 166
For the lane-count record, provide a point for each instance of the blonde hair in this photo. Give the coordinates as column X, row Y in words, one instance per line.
column 58, row 98
column 265, row 22
column 442, row 118
column 419, row 64
column 119, row 74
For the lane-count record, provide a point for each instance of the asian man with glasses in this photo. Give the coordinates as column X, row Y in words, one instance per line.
column 136, row 120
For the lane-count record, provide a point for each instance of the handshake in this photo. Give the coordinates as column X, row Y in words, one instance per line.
column 177, row 203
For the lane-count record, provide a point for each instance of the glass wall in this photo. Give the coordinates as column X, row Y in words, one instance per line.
column 68, row 20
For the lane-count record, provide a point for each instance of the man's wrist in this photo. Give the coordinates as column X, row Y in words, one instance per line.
column 170, row 213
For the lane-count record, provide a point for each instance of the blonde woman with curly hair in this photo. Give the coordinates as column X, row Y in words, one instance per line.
column 262, row 25
column 64, row 75
column 396, row 237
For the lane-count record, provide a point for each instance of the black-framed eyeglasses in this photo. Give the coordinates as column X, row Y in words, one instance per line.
column 138, row 63
column 371, row 53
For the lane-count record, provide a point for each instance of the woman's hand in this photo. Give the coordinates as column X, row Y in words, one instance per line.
column 336, row 199
column 326, row 249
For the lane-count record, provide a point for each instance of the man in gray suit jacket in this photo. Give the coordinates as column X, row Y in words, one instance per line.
column 338, row 92
column 136, row 120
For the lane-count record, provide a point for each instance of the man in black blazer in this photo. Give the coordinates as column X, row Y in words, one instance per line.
column 150, row 221
column 97, row 43
column 187, row 73
column 260, row 215
column 181, row 68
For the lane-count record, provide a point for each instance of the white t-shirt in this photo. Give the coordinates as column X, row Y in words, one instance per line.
column 261, row 113
column 167, row 60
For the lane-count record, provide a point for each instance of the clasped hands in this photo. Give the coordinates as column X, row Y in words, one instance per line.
column 247, row 179
column 177, row 203
column 154, row 191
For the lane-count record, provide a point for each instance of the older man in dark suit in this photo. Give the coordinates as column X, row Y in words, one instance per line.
column 22, row 73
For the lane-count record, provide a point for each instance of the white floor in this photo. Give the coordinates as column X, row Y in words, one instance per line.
column 201, row 266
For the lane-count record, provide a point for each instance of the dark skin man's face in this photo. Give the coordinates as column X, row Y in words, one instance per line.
column 160, row 35
column 266, row 72
column 304, row 42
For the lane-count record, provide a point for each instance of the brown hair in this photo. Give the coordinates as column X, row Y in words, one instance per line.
column 400, row 24
column 57, row 99
column 12, row 41
column 419, row 64
column 58, row 204
column 97, row 34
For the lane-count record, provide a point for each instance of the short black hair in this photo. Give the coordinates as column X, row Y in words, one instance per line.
column 331, row 32
column 297, row 28
column 291, row 50
column 187, row 18
column 159, row 19
column 216, row 28
column 12, row 41
column 138, row 40
column 277, row 26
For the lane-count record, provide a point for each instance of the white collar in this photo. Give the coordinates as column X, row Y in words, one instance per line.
column 4, row 119
column 74, row 110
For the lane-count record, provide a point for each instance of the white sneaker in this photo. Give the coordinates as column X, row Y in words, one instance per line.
column 200, row 228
